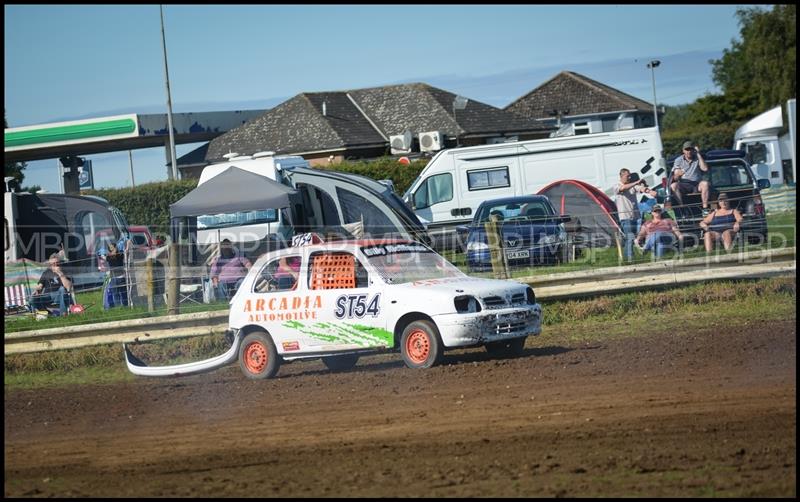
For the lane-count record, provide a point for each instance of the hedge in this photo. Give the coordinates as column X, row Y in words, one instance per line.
column 147, row 204
column 382, row 169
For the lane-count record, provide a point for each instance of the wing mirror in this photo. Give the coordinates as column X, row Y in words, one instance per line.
column 763, row 184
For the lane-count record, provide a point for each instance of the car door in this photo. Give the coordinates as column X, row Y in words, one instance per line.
column 350, row 317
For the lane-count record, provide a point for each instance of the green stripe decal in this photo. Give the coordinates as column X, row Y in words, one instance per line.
column 365, row 336
column 70, row 132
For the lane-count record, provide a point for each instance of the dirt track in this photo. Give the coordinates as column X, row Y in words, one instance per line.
column 679, row 414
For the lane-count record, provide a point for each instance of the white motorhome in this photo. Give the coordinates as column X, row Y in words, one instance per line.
column 457, row 180
column 771, row 157
column 247, row 225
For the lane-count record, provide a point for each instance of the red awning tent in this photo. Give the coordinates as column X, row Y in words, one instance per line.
column 586, row 204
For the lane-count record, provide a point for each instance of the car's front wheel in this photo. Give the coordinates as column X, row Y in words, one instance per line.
column 258, row 357
column 420, row 345
column 506, row 348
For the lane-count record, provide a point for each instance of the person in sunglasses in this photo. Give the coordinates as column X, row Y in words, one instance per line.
column 687, row 175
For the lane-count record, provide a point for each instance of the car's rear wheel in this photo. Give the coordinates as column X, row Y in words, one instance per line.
column 258, row 358
column 420, row 345
column 340, row 363
column 506, row 348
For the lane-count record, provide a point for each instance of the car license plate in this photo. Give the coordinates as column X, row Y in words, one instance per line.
column 518, row 254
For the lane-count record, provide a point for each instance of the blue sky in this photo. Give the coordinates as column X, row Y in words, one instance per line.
column 67, row 62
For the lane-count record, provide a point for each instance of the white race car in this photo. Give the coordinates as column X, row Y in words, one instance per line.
column 339, row 300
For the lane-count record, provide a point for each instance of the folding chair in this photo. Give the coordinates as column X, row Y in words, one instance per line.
column 192, row 288
column 189, row 293
column 15, row 299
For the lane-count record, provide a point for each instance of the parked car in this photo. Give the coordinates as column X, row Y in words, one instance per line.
column 729, row 172
column 340, row 300
column 531, row 229
column 141, row 238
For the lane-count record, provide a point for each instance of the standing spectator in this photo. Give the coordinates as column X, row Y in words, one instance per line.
column 228, row 270
column 116, row 292
column 721, row 224
column 659, row 233
column 54, row 287
column 687, row 175
column 628, row 209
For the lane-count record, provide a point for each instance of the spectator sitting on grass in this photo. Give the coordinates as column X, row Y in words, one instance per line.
column 658, row 233
column 54, row 287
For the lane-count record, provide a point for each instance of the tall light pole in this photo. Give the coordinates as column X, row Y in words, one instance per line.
column 174, row 159
column 653, row 65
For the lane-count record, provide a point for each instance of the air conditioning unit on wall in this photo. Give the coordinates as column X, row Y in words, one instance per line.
column 431, row 141
column 401, row 143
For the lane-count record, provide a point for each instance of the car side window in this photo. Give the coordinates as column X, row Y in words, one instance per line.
column 278, row 275
column 336, row 270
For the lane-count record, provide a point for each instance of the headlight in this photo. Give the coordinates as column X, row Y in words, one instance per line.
column 466, row 304
column 477, row 246
column 531, row 296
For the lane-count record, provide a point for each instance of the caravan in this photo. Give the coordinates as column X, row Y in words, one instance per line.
column 456, row 181
column 325, row 201
column 771, row 156
column 245, row 226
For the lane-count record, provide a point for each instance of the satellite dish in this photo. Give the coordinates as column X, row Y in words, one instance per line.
column 460, row 102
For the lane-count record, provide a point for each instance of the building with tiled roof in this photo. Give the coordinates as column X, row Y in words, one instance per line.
column 576, row 104
column 331, row 126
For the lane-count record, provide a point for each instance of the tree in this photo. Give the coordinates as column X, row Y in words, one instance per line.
column 14, row 169
column 756, row 73
column 759, row 71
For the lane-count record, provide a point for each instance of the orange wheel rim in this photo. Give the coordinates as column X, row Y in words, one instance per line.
column 418, row 346
column 255, row 357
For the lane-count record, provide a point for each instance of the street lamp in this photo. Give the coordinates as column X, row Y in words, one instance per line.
column 653, row 65
column 173, row 174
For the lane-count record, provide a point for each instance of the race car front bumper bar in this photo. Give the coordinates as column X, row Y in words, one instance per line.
column 137, row 367
column 462, row 330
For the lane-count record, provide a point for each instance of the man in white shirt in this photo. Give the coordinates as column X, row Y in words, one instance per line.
column 628, row 209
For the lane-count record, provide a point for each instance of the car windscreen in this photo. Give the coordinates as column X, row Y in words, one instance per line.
column 729, row 173
column 531, row 209
column 401, row 263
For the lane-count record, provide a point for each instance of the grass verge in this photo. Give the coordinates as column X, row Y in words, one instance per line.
column 574, row 321
column 95, row 313
column 781, row 230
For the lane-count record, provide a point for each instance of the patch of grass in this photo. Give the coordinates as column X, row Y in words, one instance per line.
column 631, row 314
column 103, row 363
column 95, row 313
column 706, row 295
